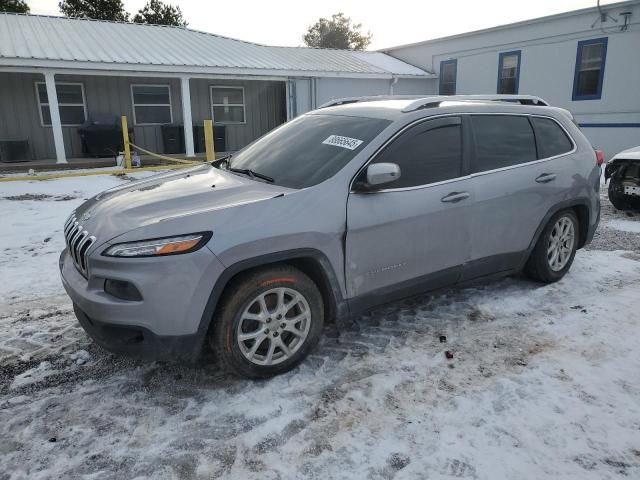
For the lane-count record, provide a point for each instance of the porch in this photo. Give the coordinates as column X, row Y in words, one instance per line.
column 47, row 110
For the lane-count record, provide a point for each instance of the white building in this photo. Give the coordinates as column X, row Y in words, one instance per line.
column 587, row 61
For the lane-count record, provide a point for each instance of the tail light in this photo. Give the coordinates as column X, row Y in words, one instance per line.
column 599, row 157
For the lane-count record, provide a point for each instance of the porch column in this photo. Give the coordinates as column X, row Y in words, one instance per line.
column 56, row 125
column 186, row 116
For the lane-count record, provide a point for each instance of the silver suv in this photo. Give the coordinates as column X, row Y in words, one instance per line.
column 346, row 207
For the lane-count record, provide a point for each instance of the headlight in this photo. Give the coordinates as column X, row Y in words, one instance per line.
column 158, row 247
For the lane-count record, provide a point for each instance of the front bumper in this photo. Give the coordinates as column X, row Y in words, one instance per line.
column 139, row 342
column 165, row 323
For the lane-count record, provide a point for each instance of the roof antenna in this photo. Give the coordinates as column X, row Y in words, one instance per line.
column 603, row 17
column 627, row 20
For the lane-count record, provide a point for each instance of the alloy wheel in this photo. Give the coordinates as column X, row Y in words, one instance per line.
column 274, row 326
column 560, row 245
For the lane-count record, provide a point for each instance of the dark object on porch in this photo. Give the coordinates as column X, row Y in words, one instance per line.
column 173, row 138
column 102, row 136
column 14, row 151
column 219, row 138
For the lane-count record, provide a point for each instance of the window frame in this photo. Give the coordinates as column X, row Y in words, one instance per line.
column 243, row 104
column 466, row 154
column 454, row 62
column 468, row 150
column 134, row 105
column 535, row 135
column 40, row 104
column 598, row 95
column 519, row 165
column 501, row 57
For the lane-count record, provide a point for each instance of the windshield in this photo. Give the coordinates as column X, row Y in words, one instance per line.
column 308, row 150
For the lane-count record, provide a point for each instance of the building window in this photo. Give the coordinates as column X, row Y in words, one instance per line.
column 151, row 104
column 509, row 72
column 71, row 104
column 589, row 74
column 227, row 104
column 448, row 76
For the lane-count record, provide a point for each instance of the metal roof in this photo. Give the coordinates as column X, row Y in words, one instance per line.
column 59, row 42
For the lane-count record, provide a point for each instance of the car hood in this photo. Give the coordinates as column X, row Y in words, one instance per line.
column 629, row 154
column 167, row 196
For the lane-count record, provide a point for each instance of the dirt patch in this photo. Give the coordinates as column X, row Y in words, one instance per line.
column 39, row 197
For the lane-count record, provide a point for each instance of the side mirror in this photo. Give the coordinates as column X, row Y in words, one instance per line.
column 381, row 173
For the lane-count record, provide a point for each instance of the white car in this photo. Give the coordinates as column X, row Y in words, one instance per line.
column 624, row 171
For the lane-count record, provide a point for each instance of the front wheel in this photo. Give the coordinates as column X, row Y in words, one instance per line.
column 556, row 248
column 268, row 322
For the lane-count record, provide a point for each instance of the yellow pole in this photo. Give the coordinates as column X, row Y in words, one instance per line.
column 208, row 140
column 125, row 140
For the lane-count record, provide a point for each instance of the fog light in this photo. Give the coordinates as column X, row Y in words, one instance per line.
column 122, row 290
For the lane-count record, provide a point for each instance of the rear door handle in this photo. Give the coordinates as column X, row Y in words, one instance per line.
column 454, row 197
column 546, row 177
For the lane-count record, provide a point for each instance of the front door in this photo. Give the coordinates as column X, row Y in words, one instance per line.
column 413, row 234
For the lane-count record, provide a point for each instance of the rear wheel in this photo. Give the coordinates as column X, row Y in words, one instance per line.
column 556, row 248
column 268, row 322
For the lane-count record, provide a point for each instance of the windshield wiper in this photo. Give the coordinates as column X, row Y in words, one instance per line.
column 251, row 173
column 245, row 171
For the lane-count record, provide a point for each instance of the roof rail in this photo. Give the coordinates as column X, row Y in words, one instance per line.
column 420, row 101
column 427, row 102
column 370, row 98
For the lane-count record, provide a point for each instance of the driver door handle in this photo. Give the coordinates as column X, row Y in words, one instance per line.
column 546, row 177
column 454, row 197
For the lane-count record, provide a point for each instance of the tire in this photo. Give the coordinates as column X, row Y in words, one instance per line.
column 616, row 196
column 268, row 323
column 542, row 265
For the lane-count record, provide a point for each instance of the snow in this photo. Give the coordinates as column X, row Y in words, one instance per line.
column 544, row 381
column 31, row 235
column 625, row 225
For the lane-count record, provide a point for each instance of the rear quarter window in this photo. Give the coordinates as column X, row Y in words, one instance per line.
column 550, row 138
column 502, row 141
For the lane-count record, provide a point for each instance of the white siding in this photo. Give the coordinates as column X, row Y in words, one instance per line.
column 548, row 55
column 332, row 88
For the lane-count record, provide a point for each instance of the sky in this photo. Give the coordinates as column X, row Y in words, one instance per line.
column 284, row 22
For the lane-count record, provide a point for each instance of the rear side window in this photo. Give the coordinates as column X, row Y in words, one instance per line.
column 550, row 138
column 427, row 153
column 502, row 141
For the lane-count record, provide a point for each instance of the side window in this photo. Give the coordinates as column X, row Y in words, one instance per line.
column 589, row 73
column 427, row 153
column 502, row 141
column 550, row 138
column 509, row 72
column 71, row 103
column 448, row 77
column 227, row 104
column 151, row 104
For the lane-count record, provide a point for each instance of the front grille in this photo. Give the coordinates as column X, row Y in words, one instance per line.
column 78, row 242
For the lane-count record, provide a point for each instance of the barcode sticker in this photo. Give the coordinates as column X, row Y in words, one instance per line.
column 343, row 142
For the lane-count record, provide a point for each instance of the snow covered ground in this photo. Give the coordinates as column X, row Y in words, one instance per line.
column 544, row 381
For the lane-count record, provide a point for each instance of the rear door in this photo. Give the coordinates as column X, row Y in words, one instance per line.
column 414, row 234
column 514, row 184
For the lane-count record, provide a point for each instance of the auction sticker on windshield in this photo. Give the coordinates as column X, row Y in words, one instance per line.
column 343, row 142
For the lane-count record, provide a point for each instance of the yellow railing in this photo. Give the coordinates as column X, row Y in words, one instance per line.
column 180, row 163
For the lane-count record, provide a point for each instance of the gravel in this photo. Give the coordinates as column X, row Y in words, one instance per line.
column 609, row 238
